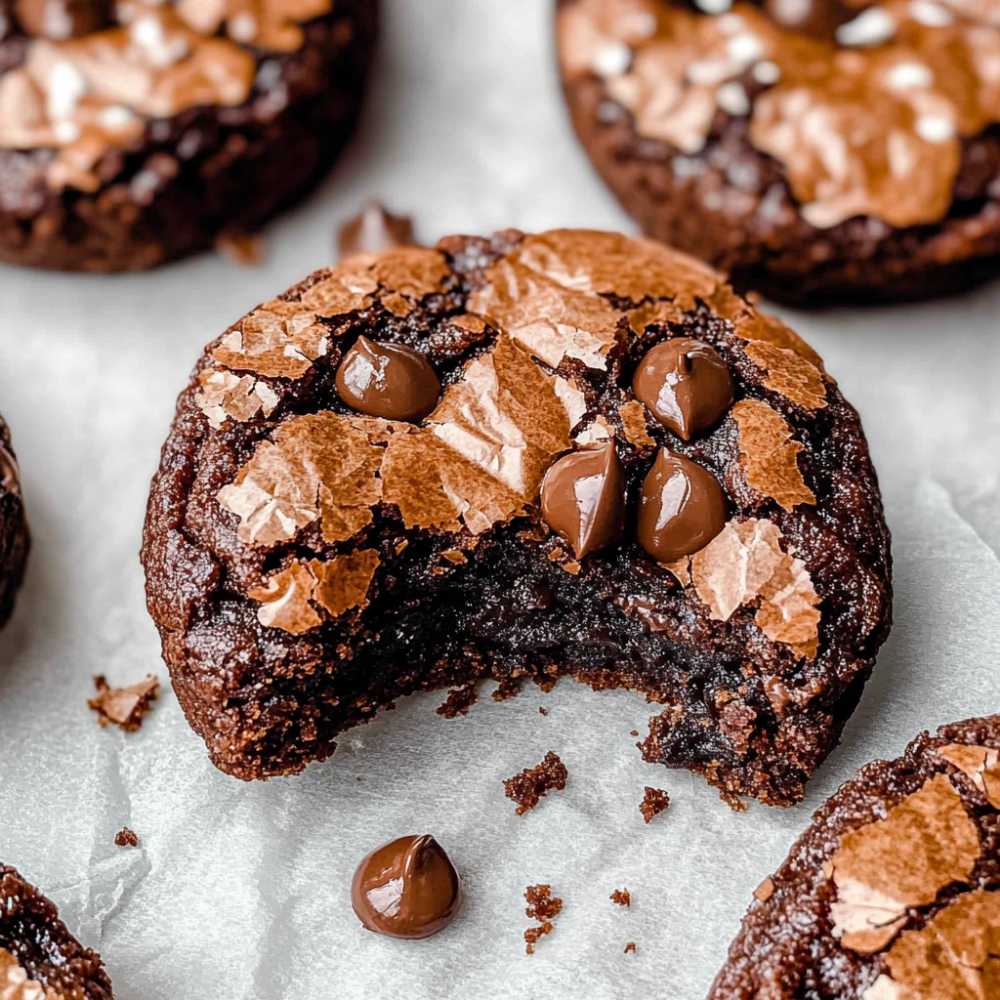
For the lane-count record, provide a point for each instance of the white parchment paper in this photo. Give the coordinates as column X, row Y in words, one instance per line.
column 240, row 892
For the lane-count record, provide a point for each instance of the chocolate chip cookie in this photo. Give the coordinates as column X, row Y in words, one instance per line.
column 819, row 151
column 39, row 958
column 14, row 538
column 892, row 893
column 566, row 454
column 133, row 132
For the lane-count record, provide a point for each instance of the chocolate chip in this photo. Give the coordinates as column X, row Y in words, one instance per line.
column 374, row 230
column 583, row 498
column 388, row 380
column 407, row 888
column 685, row 384
column 681, row 508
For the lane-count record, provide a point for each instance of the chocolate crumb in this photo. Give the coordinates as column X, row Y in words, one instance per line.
column 635, row 732
column 459, row 701
column 245, row 249
column 532, row 934
column 654, row 802
column 532, row 783
column 543, row 711
column 509, row 687
column 124, row 707
column 622, row 897
column 630, row 947
column 543, row 907
column 126, row 838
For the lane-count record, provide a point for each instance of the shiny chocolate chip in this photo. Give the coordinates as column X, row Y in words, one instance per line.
column 388, row 380
column 374, row 230
column 583, row 498
column 407, row 888
column 681, row 508
column 685, row 384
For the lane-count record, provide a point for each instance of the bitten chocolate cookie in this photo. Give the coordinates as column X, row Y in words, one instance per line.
column 39, row 958
column 819, row 151
column 133, row 132
column 566, row 454
column 15, row 540
column 892, row 893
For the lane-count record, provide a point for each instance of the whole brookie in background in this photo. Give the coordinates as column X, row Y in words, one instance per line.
column 818, row 150
column 893, row 893
column 135, row 132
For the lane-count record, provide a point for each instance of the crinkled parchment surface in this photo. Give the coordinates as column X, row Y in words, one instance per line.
column 241, row 891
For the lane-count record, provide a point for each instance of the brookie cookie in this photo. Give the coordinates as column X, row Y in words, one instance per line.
column 567, row 454
column 39, row 958
column 818, row 150
column 15, row 540
column 893, row 893
column 133, row 132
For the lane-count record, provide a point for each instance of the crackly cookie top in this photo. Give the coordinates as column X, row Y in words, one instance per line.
column 84, row 92
column 867, row 118
column 517, row 429
column 905, row 905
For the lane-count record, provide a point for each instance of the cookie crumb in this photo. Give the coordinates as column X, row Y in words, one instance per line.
column 126, row 838
column 124, row 707
column 459, row 701
column 532, row 783
column 245, row 249
column 542, row 711
column 630, row 947
column 622, row 897
column 654, row 802
column 635, row 732
column 543, row 907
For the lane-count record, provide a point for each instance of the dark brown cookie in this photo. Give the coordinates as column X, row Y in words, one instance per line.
column 15, row 540
column 307, row 564
column 135, row 132
column 892, row 893
column 39, row 958
column 819, row 152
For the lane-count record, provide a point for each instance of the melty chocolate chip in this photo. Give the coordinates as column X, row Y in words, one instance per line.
column 685, row 384
column 583, row 498
column 388, row 380
column 407, row 888
column 681, row 508
column 375, row 229
column 58, row 20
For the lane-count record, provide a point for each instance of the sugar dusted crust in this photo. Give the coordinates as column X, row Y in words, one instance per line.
column 895, row 884
column 307, row 565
